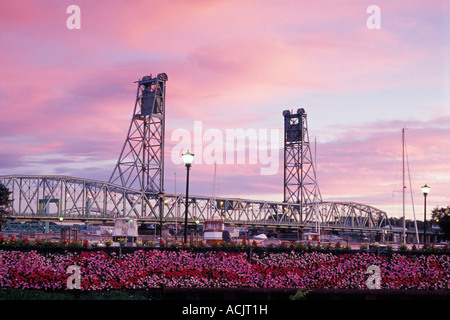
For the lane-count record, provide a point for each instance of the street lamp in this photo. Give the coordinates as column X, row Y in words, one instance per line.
column 425, row 190
column 188, row 158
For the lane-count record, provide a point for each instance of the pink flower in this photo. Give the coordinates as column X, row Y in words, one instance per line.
column 143, row 269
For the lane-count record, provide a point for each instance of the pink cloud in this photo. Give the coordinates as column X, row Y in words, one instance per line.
column 368, row 162
column 231, row 65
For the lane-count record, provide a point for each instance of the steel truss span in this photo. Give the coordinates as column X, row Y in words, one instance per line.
column 68, row 198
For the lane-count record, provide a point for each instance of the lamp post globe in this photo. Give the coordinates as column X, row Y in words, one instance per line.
column 188, row 158
column 425, row 190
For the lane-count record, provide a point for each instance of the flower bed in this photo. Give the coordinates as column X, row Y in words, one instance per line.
column 155, row 268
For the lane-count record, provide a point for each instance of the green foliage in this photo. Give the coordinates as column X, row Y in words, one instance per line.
column 442, row 215
column 5, row 200
column 29, row 294
column 299, row 295
column 4, row 195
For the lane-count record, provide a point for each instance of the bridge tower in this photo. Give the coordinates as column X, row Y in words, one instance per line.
column 300, row 181
column 141, row 162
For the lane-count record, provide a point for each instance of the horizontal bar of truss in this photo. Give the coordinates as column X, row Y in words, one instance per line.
column 68, row 198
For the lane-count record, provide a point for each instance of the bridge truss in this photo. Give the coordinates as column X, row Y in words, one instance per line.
column 136, row 187
column 74, row 199
column 141, row 162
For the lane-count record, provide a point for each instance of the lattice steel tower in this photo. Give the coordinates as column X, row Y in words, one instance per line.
column 300, row 182
column 141, row 162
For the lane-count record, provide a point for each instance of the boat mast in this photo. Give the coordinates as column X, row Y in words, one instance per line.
column 405, row 151
column 403, row 185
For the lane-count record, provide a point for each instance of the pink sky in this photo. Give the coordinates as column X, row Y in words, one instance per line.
column 67, row 95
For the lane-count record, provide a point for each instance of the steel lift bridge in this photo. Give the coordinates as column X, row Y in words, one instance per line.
column 136, row 187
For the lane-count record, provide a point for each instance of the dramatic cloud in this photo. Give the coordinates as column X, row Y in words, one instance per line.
column 66, row 96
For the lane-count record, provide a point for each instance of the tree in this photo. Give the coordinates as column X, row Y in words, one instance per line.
column 442, row 215
column 5, row 201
